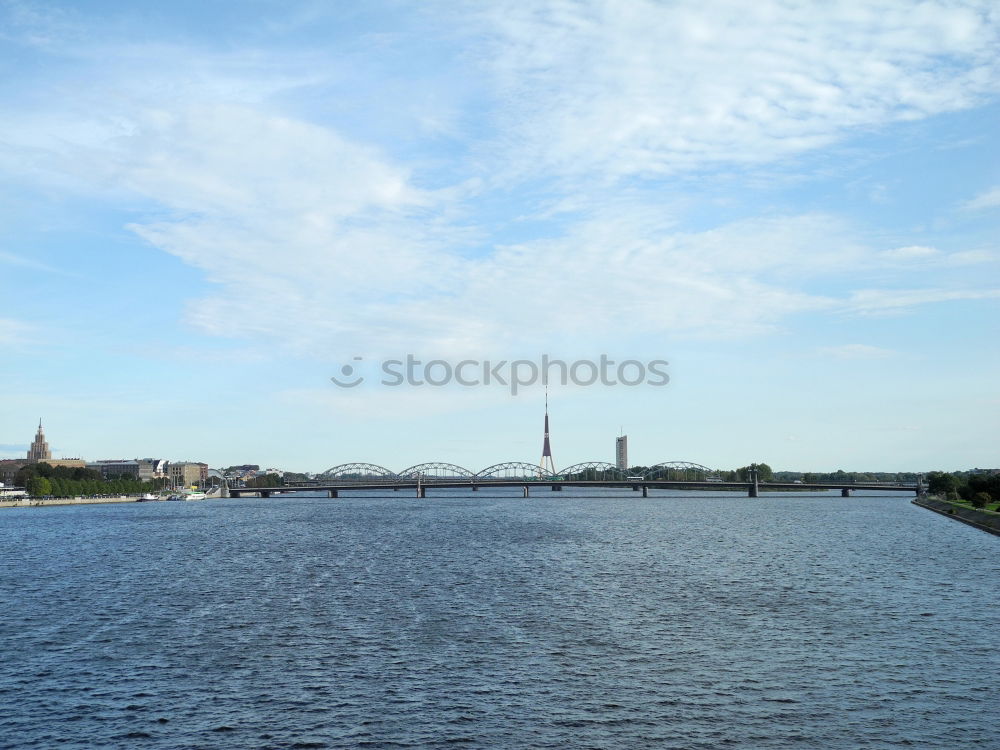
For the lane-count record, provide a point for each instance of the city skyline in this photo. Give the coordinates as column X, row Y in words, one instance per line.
column 209, row 212
column 38, row 451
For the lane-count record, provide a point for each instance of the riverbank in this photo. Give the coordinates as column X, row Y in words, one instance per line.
column 34, row 501
column 29, row 502
column 981, row 519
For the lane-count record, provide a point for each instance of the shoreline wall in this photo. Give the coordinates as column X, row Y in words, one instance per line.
column 33, row 503
column 28, row 502
column 981, row 519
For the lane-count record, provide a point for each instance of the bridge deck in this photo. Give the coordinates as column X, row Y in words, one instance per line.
column 548, row 483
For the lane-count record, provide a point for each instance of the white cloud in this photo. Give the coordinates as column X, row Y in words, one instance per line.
column 303, row 230
column 648, row 88
column 894, row 301
column 970, row 257
column 922, row 256
column 605, row 281
column 328, row 244
column 985, row 200
column 214, row 160
column 911, row 252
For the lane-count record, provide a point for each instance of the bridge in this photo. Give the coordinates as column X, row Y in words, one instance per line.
column 668, row 475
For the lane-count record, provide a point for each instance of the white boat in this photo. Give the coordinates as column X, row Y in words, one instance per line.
column 195, row 496
column 146, row 498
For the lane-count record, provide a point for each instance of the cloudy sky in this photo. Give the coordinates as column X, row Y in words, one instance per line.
column 208, row 209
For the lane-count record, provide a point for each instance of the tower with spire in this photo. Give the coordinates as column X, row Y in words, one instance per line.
column 546, row 467
column 39, row 450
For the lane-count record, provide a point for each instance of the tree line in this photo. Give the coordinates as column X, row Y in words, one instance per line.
column 42, row 479
column 979, row 490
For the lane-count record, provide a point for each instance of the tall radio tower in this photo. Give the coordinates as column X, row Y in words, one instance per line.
column 546, row 467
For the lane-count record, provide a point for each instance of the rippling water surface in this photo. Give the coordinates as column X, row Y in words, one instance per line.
column 570, row 621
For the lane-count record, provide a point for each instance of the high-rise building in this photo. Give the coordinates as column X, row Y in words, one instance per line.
column 39, row 450
column 621, row 452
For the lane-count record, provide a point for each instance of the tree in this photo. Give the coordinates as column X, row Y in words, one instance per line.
column 940, row 483
column 988, row 483
column 39, row 486
column 269, row 480
column 764, row 472
column 980, row 499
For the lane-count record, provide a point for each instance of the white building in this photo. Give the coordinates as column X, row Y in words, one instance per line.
column 144, row 469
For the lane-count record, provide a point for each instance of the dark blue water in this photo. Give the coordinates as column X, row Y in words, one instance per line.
column 566, row 621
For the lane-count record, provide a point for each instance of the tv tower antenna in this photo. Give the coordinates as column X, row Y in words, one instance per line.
column 546, row 467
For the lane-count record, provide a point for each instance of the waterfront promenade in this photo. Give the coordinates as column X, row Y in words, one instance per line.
column 26, row 502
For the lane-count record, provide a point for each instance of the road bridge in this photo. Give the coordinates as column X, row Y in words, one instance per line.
column 420, row 486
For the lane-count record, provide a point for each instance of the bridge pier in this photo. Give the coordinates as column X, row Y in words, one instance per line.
column 332, row 493
column 645, row 491
column 635, row 488
column 845, row 492
column 557, row 488
column 421, row 491
column 265, row 493
column 475, row 488
column 754, row 488
column 526, row 491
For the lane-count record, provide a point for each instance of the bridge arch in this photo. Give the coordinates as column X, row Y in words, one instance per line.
column 512, row 470
column 680, row 471
column 593, row 471
column 359, row 472
column 436, row 470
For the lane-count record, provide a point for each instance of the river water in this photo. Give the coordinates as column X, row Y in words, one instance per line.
column 571, row 620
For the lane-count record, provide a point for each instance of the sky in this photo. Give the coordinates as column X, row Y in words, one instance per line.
column 208, row 210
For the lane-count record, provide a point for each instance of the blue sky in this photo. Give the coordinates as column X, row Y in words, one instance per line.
column 206, row 209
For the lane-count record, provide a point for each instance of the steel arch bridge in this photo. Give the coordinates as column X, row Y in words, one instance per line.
column 360, row 473
column 679, row 471
column 593, row 471
column 367, row 473
column 512, row 470
column 436, row 470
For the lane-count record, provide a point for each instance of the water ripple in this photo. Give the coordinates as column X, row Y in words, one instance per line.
column 473, row 621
